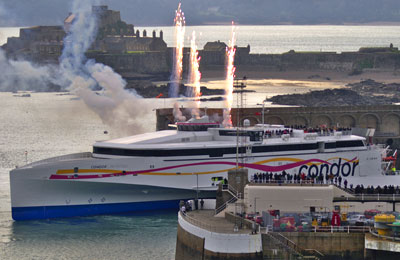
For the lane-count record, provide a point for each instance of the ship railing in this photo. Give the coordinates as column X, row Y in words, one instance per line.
column 291, row 182
column 318, row 133
column 61, row 158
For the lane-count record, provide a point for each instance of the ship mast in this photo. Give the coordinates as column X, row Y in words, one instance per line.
column 239, row 88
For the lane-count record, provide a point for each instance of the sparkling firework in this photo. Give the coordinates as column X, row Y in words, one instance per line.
column 178, row 53
column 194, row 75
column 230, row 75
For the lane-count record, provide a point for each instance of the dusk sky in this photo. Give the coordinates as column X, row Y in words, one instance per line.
column 161, row 12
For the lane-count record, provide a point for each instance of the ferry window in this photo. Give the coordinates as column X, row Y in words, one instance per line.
column 330, row 145
column 343, row 144
column 212, row 152
column 256, row 136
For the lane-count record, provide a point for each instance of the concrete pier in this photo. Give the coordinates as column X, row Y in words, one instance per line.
column 203, row 236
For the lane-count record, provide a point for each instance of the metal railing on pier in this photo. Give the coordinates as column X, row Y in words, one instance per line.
column 326, row 229
column 369, row 198
column 235, row 196
column 198, row 223
column 223, row 206
column 375, row 233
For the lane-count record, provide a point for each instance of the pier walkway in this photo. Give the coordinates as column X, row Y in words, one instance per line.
column 207, row 220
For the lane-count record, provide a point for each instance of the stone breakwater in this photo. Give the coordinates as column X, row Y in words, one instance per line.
column 368, row 92
column 148, row 90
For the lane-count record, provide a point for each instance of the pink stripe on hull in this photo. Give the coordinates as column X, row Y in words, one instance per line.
column 260, row 167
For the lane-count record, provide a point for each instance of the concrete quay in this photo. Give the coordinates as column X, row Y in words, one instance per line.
column 202, row 235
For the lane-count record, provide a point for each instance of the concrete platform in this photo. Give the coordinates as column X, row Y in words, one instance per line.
column 380, row 243
column 205, row 219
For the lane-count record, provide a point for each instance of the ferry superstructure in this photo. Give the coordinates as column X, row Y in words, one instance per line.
column 157, row 170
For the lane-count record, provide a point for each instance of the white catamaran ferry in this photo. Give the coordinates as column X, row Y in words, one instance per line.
column 157, row 170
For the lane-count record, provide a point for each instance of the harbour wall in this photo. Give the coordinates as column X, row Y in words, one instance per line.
column 195, row 242
column 333, row 246
column 160, row 62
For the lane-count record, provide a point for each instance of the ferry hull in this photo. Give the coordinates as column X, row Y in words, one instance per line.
column 35, row 198
column 91, row 186
column 46, row 212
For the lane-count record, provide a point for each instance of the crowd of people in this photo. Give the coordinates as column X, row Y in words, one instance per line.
column 301, row 178
column 284, row 177
column 318, row 130
column 387, row 189
column 186, row 206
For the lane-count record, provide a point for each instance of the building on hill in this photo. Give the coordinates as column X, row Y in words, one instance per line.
column 214, row 53
column 36, row 41
column 216, row 46
column 106, row 16
column 378, row 49
column 109, row 22
column 126, row 44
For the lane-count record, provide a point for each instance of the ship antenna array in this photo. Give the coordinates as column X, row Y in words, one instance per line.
column 239, row 86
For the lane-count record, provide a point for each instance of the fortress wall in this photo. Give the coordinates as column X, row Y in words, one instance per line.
column 346, row 61
column 146, row 62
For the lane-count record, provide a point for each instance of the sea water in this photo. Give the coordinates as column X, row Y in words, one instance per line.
column 278, row 38
column 47, row 125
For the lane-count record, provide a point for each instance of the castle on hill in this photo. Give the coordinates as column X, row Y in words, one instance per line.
column 141, row 55
column 45, row 43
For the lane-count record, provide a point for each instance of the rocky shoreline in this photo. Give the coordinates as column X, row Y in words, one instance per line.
column 367, row 92
column 148, row 90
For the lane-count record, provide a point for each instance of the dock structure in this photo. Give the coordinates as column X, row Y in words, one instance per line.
column 362, row 198
column 226, row 234
column 377, row 245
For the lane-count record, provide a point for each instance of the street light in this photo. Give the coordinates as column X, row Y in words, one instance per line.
column 262, row 114
column 255, row 204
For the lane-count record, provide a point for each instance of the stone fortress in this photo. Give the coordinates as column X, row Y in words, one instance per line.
column 146, row 55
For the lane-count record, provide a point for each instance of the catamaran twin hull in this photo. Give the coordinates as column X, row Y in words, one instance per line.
column 89, row 186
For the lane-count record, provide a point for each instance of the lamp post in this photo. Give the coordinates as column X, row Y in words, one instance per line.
column 255, row 205
column 262, row 111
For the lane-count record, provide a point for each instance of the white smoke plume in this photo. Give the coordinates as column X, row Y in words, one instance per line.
column 118, row 108
column 178, row 113
column 23, row 75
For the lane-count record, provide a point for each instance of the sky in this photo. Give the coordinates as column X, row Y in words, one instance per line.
column 201, row 12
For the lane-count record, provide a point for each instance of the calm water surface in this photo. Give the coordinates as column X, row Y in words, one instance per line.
column 278, row 38
column 46, row 125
